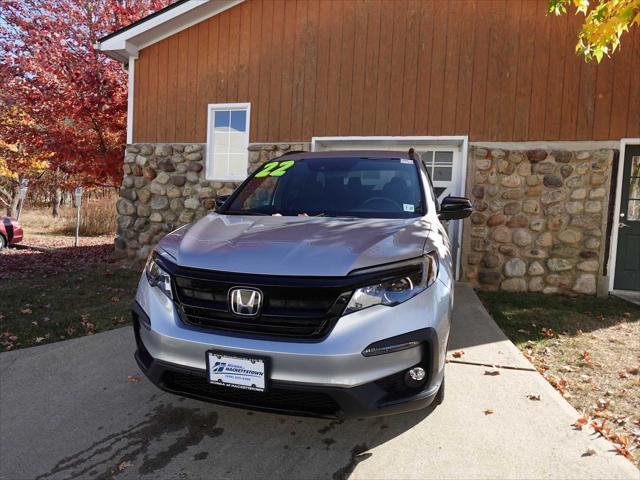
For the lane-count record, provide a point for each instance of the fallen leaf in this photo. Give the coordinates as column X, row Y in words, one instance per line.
column 581, row 421
column 533, row 396
column 457, row 354
column 492, row 373
column 589, row 451
column 26, row 311
column 566, row 368
column 123, row 465
column 522, row 330
column 39, row 339
column 133, row 379
column 488, row 411
column 115, row 299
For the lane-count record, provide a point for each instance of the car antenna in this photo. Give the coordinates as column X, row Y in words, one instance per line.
column 413, row 155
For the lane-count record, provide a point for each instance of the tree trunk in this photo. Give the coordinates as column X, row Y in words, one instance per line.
column 55, row 202
column 12, row 209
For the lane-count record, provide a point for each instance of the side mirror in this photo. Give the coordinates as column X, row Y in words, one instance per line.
column 220, row 199
column 455, row 208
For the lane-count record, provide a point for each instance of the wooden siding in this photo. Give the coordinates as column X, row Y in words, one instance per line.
column 491, row 69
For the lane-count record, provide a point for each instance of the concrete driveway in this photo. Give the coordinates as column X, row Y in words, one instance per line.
column 68, row 411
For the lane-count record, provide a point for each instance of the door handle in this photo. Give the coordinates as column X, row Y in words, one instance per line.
column 623, row 225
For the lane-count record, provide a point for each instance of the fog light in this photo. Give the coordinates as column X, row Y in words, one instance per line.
column 415, row 377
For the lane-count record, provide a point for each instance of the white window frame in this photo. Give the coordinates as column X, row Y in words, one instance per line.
column 211, row 109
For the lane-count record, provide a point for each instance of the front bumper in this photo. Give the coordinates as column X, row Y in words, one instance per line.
column 382, row 397
column 327, row 377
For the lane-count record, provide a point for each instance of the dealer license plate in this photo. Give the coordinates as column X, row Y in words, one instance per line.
column 236, row 371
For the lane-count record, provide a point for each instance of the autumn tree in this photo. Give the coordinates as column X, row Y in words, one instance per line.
column 75, row 97
column 605, row 23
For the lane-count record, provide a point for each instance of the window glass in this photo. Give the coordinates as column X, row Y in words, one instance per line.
column 353, row 187
column 633, row 208
column 443, row 166
column 229, row 140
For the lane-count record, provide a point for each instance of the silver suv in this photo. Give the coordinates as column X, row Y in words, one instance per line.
column 322, row 286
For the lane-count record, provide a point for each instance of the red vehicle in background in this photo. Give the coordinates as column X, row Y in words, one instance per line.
column 10, row 232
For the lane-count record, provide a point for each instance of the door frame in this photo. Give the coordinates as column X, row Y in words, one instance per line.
column 458, row 141
column 613, row 245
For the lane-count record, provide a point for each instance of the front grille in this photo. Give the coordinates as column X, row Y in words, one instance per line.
column 273, row 399
column 292, row 306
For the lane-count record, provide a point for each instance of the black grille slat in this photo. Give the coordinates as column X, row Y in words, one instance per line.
column 289, row 308
column 274, row 398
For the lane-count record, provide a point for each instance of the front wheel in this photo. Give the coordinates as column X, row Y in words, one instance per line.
column 440, row 394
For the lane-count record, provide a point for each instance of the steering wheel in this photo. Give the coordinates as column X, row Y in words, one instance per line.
column 383, row 199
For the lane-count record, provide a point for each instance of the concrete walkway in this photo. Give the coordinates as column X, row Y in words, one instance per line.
column 68, row 411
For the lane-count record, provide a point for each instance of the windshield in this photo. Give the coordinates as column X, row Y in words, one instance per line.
column 332, row 187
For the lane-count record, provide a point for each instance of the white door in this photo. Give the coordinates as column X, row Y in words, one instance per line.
column 444, row 158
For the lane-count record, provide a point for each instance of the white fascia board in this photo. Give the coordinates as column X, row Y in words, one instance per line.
column 131, row 41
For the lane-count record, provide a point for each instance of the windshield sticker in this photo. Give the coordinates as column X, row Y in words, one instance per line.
column 275, row 169
column 403, row 160
column 408, row 207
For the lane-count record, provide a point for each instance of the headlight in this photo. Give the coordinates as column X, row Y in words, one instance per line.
column 396, row 290
column 157, row 276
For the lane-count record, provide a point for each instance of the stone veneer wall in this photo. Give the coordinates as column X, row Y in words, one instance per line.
column 164, row 186
column 539, row 220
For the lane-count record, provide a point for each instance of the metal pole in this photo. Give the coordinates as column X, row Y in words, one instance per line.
column 77, row 225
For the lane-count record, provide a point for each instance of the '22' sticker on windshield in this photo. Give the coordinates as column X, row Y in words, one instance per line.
column 275, row 169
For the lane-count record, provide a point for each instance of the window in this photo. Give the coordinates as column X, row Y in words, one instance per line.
column 227, row 141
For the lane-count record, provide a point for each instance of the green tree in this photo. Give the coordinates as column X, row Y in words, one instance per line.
column 605, row 22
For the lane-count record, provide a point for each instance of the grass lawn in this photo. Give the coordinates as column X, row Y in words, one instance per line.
column 588, row 348
column 38, row 310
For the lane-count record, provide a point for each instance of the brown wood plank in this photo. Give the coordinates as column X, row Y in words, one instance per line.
column 508, row 71
column 571, row 81
column 212, row 61
column 192, row 86
column 423, row 83
column 586, row 101
column 357, row 87
column 395, row 91
column 497, row 67
column 555, row 80
column 275, row 81
column 163, row 88
column 603, row 98
column 480, row 64
column 222, row 79
column 286, row 84
column 384, row 69
column 410, row 66
column 346, row 67
column 201, row 82
column 254, row 66
column 524, row 69
column 235, row 16
column 297, row 101
column 333, row 97
column 145, row 93
column 310, row 73
column 152, row 111
column 540, row 71
column 322, row 68
column 172, row 89
column 452, row 64
column 621, row 89
column 633, row 121
column 243, row 54
column 465, row 72
column 438, row 67
column 181, row 99
column 371, row 53
column 266, row 55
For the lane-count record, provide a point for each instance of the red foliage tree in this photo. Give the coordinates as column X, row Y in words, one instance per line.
column 76, row 97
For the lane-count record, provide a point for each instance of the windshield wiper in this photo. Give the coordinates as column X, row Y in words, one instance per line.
column 246, row 212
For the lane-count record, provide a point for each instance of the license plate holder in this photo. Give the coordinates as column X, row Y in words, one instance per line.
column 245, row 372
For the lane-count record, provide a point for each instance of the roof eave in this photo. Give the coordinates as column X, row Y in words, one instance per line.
column 128, row 41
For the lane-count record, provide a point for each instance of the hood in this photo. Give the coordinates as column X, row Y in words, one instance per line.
column 300, row 246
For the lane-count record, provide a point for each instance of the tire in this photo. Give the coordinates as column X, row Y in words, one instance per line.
column 3, row 242
column 440, row 394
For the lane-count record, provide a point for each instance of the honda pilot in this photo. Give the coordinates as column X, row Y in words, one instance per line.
column 322, row 286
